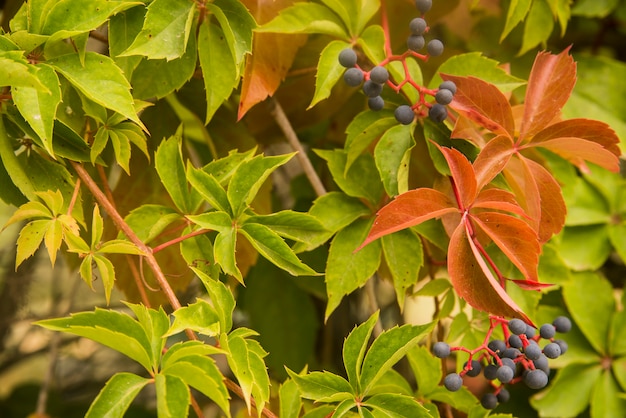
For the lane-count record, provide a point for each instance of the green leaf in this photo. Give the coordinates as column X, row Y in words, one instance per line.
column 100, row 80
column 307, row 18
column 594, row 8
column 123, row 29
column 199, row 316
column 569, row 393
column 392, row 154
column 9, row 193
column 75, row 16
column 322, row 386
column 584, row 247
column 221, row 298
column 617, row 337
column 214, row 221
column 404, row 257
column 224, row 247
column 148, row 221
column 362, row 180
column 249, row 177
column 184, row 349
column 387, row 349
column 366, row 127
column 354, row 348
column 293, row 225
column 224, row 168
column 121, row 147
column 169, row 164
column 160, row 77
column 209, row 188
column 346, row 270
column 518, row 9
column 605, row 397
column 590, row 301
column 290, row 401
column 271, row 246
column 15, row 71
column 392, row 382
column 165, row 30
column 173, row 396
column 30, row 239
column 237, row 24
column 155, row 324
column 116, row 396
column 107, row 274
column 398, row 71
column 218, row 66
column 477, row 65
column 39, row 108
column 202, row 374
column 110, row 328
column 372, row 41
column 246, row 362
column 538, row 26
column 329, row 71
column 396, row 405
column 426, row 368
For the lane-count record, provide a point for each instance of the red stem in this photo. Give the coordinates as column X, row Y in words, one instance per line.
column 176, row 240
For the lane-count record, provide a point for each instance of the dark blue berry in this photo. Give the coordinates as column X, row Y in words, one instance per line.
column 347, row 58
column 353, row 77
column 441, row 349
column 404, row 114
column 489, row 401
column 562, row 324
column 536, row 379
column 547, row 331
column 453, row 382
column 517, row 326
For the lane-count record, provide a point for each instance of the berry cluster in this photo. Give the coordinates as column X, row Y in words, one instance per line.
column 376, row 78
column 518, row 357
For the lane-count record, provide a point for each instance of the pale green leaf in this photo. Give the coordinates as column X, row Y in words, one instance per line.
column 165, row 30
column 224, row 168
column 271, row 246
column 123, row 29
column 149, row 221
column 426, row 368
column 81, row 15
column 182, row 349
column 107, row 274
column 155, row 324
column 372, row 41
column 100, row 80
column 118, row 246
column 518, row 9
column 199, row 316
column 38, row 107
column 392, row 154
column 354, row 348
column 30, row 239
column 209, row 188
column 11, row 164
column 387, row 349
column 307, row 18
column 224, row 247
column 396, row 406
column 594, row 8
column 290, row 401
column 606, row 401
column 329, row 71
column 198, row 252
column 169, row 164
column 53, row 239
column 110, row 328
column 218, row 66
column 293, row 225
column 214, row 221
column 221, row 298
column 121, row 148
column 237, row 24
column 29, row 210
column 364, row 128
column 404, row 258
column 117, row 395
column 322, row 386
column 173, row 396
column 346, row 270
column 336, row 210
column 249, row 177
column 86, row 270
column 538, row 26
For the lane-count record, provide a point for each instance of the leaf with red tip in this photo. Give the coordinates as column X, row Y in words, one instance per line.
column 515, row 238
column 474, row 281
column 492, row 159
column 580, row 140
column 409, row 209
column 531, row 285
column 550, row 84
column 483, row 103
column 463, row 175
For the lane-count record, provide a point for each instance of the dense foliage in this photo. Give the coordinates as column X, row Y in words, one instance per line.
column 374, row 208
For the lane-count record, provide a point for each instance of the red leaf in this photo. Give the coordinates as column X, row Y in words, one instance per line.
column 483, row 103
column 409, row 209
column 550, row 84
column 530, row 285
column 516, row 239
column 466, row 129
column 474, row 281
column 579, row 140
column 271, row 58
column 498, row 199
column 492, row 159
column 465, row 187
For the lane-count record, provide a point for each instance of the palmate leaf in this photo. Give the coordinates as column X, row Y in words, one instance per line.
column 173, row 396
column 116, row 396
column 354, row 349
column 307, row 18
column 73, row 16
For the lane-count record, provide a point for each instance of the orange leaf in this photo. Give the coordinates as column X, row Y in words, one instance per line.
column 272, row 56
column 550, row 84
column 516, row 239
column 579, row 140
column 492, row 159
column 498, row 199
column 483, row 103
column 475, row 282
column 463, row 175
column 407, row 210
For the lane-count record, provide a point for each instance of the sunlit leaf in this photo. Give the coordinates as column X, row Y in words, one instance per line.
column 116, row 396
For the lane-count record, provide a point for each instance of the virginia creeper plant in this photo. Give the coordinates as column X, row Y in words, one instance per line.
column 142, row 144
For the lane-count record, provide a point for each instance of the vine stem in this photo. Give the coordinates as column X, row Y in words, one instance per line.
column 152, row 263
column 292, row 138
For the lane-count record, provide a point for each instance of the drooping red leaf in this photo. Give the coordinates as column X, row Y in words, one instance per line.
column 465, row 187
column 498, row 199
column 515, row 238
column 409, row 209
column 579, row 140
column 483, row 103
column 492, row 159
column 271, row 58
column 550, row 84
column 475, row 282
